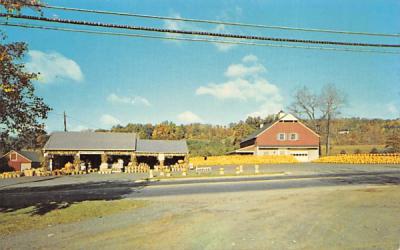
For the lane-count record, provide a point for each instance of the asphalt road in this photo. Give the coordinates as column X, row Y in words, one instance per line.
column 13, row 198
column 262, row 183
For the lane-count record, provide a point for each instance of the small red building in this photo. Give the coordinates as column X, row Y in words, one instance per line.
column 21, row 160
column 286, row 136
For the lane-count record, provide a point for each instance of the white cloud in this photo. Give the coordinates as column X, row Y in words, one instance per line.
column 133, row 100
column 250, row 58
column 177, row 25
column 392, row 109
column 270, row 106
column 53, row 66
column 189, row 117
column 223, row 47
column 241, row 70
column 109, row 120
column 243, row 89
column 246, row 83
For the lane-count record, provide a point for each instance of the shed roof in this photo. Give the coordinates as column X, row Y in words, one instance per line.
column 162, row 146
column 91, row 141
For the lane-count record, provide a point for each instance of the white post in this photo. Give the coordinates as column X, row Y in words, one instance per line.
column 51, row 165
column 256, row 169
column 151, row 173
column 237, row 170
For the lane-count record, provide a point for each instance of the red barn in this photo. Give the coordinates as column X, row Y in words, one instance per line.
column 21, row 160
column 286, row 136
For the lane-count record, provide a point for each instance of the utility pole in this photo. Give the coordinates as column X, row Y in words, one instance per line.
column 65, row 122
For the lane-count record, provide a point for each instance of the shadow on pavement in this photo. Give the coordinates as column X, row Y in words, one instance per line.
column 47, row 198
column 30, row 181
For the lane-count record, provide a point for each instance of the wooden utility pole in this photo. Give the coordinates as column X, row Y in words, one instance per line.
column 65, row 122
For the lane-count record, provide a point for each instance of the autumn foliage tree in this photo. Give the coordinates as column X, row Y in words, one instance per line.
column 17, row 5
column 21, row 111
column 393, row 140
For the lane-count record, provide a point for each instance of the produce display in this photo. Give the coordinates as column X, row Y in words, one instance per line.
column 361, row 159
column 141, row 168
column 241, row 160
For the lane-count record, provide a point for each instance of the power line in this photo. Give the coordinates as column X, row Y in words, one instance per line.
column 199, row 33
column 196, row 39
column 248, row 25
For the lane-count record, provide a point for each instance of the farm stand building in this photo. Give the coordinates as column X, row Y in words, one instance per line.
column 106, row 147
column 21, row 160
column 286, row 136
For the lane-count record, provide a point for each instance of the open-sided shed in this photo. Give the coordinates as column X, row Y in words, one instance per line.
column 107, row 147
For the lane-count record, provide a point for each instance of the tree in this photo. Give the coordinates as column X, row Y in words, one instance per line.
column 318, row 107
column 305, row 106
column 393, row 140
column 240, row 131
column 21, row 111
column 17, row 5
column 331, row 100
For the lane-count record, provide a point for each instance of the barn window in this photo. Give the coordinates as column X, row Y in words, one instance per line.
column 281, row 136
column 13, row 156
column 294, row 136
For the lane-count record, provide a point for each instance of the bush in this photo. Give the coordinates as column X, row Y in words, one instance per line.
column 343, row 152
column 357, row 151
column 4, row 165
column 374, row 151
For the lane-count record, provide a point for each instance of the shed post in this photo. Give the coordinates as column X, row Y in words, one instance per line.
column 161, row 158
column 134, row 159
column 104, row 158
column 77, row 161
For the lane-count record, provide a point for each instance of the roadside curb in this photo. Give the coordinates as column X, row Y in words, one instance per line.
column 218, row 177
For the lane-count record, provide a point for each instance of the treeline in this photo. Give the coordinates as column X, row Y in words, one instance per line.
column 203, row 139
column 206, row 139
column 362, row 131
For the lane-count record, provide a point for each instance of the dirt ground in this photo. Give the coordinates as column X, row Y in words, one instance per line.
column 351, row 217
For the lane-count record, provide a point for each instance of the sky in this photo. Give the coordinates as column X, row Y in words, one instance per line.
column 101, row 81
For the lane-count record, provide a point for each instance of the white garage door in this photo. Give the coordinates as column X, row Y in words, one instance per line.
column 25, row 166
column 301, row 156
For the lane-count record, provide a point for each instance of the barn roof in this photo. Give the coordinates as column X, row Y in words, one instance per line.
column 283, row 117
column 162, row 146
column 256, row 132
column 91, row 141
column 33, row 156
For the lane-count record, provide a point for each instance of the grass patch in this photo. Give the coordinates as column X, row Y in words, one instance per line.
column 22, row 219
column 350, row 149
